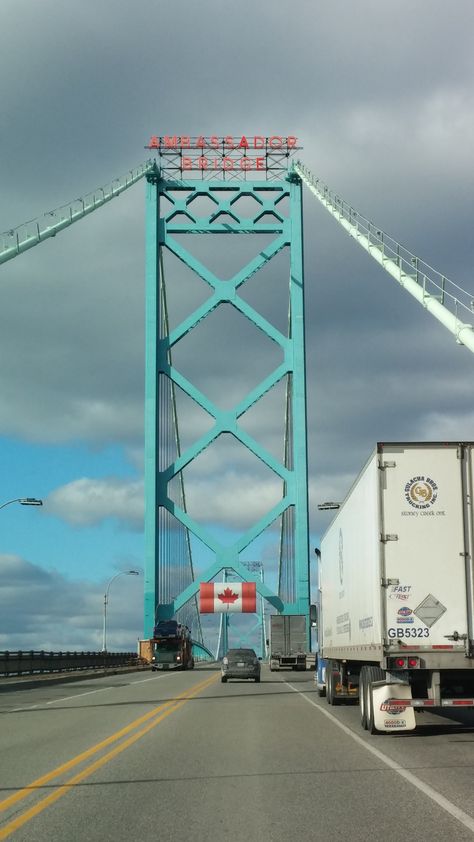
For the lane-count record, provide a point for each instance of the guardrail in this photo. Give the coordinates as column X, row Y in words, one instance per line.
column 36, row 663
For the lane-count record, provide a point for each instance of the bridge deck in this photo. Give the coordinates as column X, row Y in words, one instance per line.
column 182, row 756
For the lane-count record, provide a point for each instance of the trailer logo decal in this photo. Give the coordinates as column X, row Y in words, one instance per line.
column 421, row 492
column 393, row 708
column 404, row 611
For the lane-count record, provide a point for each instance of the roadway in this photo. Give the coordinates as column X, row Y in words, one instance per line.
column 180, row 756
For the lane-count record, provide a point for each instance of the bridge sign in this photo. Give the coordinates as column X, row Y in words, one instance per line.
column 223, row 156
column 228, row 597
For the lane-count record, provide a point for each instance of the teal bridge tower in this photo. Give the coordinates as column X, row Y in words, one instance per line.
column 173, row 190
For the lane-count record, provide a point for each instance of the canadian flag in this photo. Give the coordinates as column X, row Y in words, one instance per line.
column 216, row 597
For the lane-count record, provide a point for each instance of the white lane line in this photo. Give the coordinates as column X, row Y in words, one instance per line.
column 89, row 693
column 435, row 796
column 155, row 678
column 78, row 695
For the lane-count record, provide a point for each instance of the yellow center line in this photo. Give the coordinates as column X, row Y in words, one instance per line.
column 75, row 761
column 62, row 789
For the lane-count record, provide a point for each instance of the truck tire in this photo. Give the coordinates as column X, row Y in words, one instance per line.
column 363, row 697
column 321, row 691
column 331, row 697
column 373, row 674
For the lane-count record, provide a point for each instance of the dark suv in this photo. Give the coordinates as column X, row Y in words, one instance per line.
column 240, row 663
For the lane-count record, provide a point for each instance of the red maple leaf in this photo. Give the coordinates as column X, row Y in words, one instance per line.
column 228, row 595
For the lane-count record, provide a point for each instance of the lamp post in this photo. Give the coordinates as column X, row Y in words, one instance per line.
column 106, row 600
column 24, row 501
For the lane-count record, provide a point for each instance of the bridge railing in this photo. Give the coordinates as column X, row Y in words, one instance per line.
column 36, row 663
column 459, row 301
column 29, row 234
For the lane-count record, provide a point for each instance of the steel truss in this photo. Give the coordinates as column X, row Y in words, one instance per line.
column 292, row 470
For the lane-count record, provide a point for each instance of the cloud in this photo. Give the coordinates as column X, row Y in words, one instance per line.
column 41, row 609
column 86, row 502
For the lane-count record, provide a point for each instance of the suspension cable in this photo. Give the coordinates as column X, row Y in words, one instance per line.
column 29, row 234
column 444, row 299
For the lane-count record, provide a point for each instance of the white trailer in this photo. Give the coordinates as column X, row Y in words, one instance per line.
column 396, row 603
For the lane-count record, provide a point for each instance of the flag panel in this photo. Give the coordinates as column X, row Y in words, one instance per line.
column 229, row 597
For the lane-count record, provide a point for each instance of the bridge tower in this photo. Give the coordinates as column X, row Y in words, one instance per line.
column 172, row 192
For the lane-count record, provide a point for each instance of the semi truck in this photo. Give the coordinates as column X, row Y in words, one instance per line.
column 288, row 636
column 396, row 624
column 169, row 648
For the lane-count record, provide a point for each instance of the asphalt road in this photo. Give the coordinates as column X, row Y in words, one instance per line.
column 180, row 756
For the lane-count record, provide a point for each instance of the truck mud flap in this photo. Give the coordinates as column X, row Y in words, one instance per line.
column 389, row 718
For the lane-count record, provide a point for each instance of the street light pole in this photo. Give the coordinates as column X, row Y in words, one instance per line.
column 24, row 501
column 106, row 600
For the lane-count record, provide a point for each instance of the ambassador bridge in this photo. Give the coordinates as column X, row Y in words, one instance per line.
column 228, row 187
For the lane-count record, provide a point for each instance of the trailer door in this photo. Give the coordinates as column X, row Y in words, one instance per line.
column 423, row 545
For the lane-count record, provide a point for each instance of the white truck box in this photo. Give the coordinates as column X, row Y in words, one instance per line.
column 393, row 571
column 397, row 572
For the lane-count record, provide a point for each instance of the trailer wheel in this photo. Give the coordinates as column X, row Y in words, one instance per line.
column 330, row 692
column 373, row 674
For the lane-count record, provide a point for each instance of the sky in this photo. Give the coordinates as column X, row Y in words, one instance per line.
column 381, row 96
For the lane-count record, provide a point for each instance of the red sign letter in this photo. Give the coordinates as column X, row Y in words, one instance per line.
column 187, row 164
column 275, row 142
column 259, row 163
column 258, row 142
column 171, row 142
